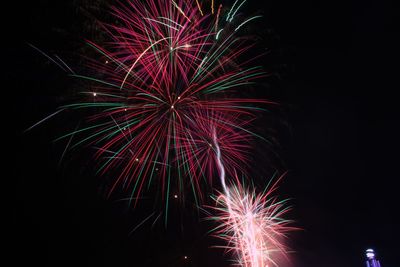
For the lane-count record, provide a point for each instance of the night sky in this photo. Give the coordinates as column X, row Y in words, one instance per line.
column 336, row 130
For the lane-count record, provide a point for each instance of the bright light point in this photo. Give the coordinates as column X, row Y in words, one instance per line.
column 106, row 61
column 156, row 169
column 370, row 253
column 94, row 94
column 179, row 97
column 185, row 257
column 175, row 196
column 172, row 107
column 125, row 109
column 171, row 48
column 136, row 159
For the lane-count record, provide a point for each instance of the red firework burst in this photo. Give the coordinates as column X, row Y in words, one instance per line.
column 164, row 81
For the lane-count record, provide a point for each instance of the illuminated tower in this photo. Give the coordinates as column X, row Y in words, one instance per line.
column 371, row 260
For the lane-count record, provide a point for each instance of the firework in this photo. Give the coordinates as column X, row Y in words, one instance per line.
column 165, row 105
column 168, row 72
column 251, row 224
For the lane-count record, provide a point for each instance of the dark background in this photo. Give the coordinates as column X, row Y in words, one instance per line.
column 339, row 139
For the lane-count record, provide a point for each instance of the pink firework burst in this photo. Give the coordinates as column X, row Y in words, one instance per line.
column 168, row 75
column 252, row 225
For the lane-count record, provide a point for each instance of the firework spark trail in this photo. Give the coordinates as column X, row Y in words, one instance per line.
column 45, row 119
column 250, row 223
column 220, row 165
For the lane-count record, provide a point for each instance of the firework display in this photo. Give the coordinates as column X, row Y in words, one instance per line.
column 165, row 107
column 169, row 73
column 251, row 223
